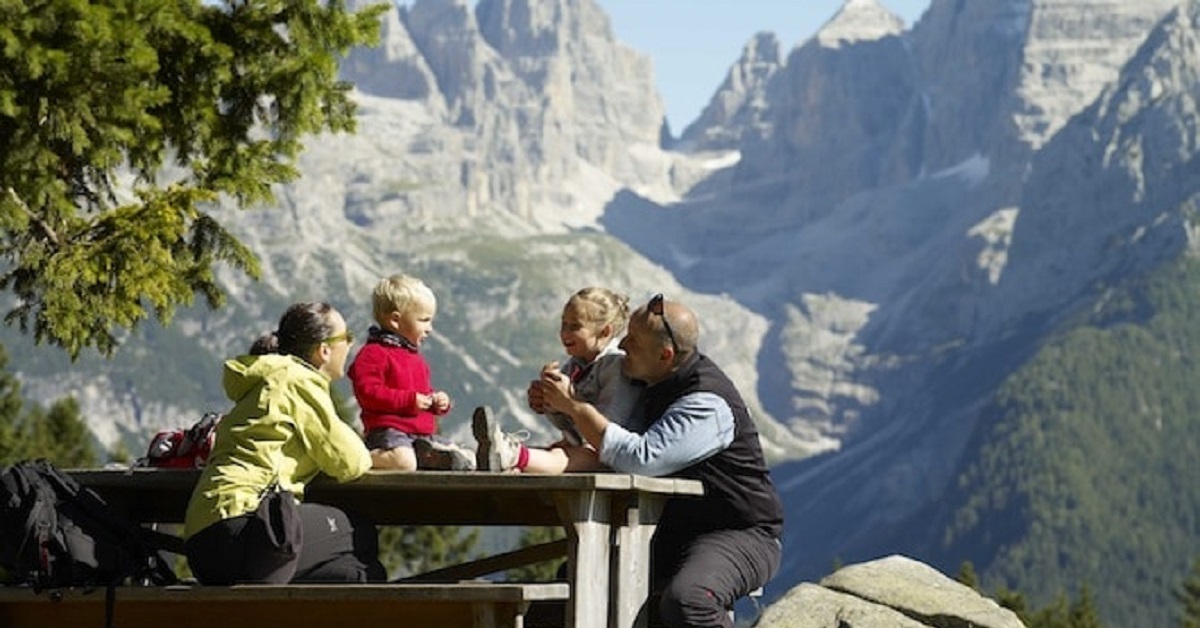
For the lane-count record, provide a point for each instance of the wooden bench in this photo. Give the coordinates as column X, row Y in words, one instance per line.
column 474, row 604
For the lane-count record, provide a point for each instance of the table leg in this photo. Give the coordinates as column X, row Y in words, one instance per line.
column 631, row 561
column 587, row 518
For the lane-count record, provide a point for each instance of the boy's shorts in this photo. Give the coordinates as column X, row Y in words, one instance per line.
column 386, row 438
column 432, row 451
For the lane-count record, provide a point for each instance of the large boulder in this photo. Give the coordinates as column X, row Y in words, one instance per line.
column 892, row 592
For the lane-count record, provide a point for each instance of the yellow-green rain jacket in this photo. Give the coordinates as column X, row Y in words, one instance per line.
column 283, row 424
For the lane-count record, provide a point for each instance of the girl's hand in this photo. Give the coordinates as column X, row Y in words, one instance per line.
column 557, row 392
column 533, row 394
column 534, row 397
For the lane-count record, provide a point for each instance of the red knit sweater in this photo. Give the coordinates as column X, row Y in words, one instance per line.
column 386, row 380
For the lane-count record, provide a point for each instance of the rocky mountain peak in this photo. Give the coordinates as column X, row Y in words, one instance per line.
column 740, row 106
column 529, row 94
column 395, row 68
column 467, row 70
column 1072, row 51
column 859, row 20
column 1129, row 159
column 521, row 26
column 565, row 53
column 762, row 48
column 845, row 95
column 540, row 27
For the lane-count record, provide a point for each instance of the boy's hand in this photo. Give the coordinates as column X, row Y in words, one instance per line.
column 439, row 402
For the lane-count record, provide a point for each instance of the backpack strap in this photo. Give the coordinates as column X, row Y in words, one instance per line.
column 110, row 604
column 41, row 522
column 162, row 541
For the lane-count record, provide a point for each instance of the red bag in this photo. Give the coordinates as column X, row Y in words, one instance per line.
column 183, row 448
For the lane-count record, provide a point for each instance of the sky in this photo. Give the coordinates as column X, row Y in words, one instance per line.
column 694, row 42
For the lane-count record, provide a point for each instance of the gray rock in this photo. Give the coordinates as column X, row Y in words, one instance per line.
column 812, row 606
column 921, row 592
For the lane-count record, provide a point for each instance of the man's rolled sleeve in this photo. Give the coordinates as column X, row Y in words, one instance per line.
column 693, row 428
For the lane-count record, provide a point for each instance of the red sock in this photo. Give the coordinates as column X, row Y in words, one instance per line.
column 523, row 458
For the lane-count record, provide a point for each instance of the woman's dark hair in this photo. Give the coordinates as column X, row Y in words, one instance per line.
column 301, row 328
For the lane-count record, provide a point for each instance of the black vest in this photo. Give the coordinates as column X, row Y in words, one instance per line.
column 738, row 492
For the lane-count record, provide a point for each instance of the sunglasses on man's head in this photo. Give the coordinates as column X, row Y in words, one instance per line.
column 347, row 335
column 656, row 307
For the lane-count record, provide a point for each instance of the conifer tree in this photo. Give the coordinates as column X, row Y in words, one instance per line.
column 409, row 550
column 29, row 431
column 967, row 575
column 538, row 572
column 10, row 412
column 71, row 439
column 1188, row 596
column 1083, row 610
column 97, row 97
column 1057, row 614
column 1013, row 601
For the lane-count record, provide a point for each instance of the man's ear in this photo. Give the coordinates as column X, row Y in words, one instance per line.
column 323, row 353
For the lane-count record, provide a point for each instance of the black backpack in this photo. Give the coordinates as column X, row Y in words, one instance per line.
column 55, row 533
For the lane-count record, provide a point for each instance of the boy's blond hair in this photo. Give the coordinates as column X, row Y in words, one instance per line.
column 602, row 306
column 398, row 293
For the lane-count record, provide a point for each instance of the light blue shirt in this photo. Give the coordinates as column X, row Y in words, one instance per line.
column 693, row 428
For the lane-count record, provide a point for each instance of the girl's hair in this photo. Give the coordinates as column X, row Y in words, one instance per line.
column 602, row 306
column 396, row 294
column 301, row 328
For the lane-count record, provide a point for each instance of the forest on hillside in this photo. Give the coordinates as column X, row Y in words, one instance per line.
column 1082, row 472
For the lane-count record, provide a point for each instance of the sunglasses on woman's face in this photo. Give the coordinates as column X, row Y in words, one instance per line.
column 656, row 307
column 347, row 335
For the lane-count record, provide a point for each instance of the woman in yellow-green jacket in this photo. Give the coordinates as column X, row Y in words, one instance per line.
column 281, row 432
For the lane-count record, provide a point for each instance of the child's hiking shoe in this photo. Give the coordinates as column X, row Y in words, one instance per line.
column 497, row 452
column 441, row 456
column 564, row 423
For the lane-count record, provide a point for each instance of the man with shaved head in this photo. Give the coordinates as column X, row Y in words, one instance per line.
column 708, row 551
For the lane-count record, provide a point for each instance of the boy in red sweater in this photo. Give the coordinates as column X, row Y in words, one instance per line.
column 391, row 381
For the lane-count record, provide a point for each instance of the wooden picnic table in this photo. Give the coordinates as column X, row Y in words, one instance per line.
column 609, row 519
